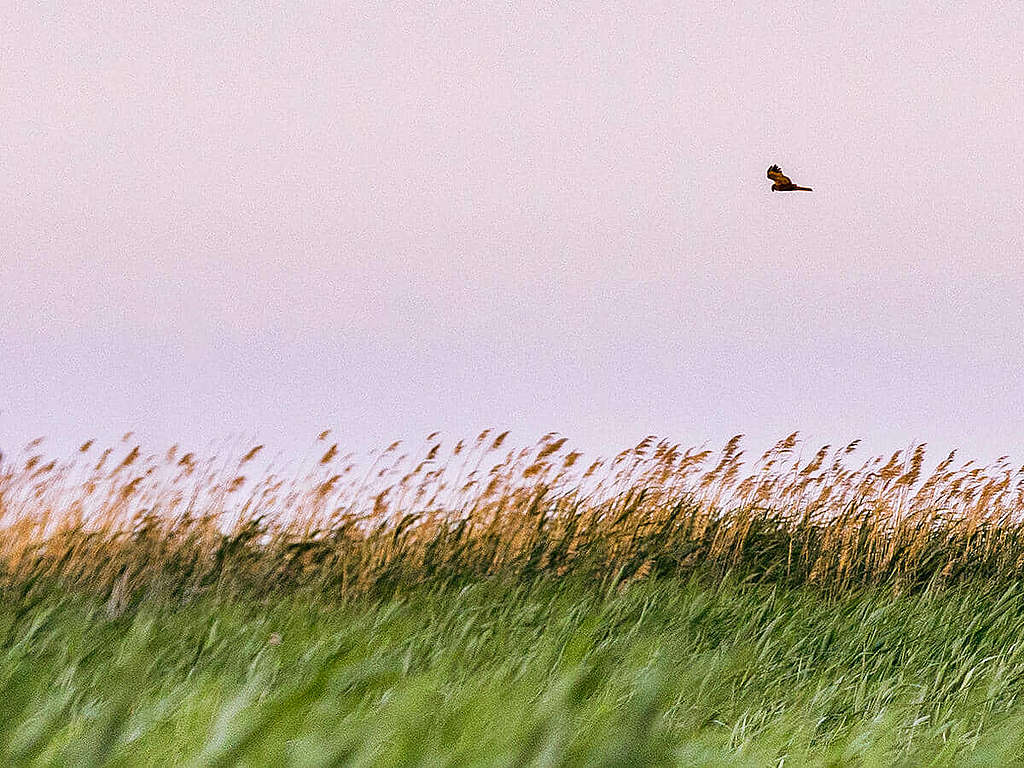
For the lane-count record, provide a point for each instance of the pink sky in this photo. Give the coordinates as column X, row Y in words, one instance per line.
column 382, row 218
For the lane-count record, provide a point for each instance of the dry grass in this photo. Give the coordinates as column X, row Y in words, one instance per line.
column 125, row 524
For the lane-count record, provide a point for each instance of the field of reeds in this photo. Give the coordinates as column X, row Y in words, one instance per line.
column 476, row 604
column 123, row 524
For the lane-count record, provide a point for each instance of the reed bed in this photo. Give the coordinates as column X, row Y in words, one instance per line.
column 124, row 524
column 476, row 604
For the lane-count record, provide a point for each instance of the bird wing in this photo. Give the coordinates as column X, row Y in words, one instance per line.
column 775, row 174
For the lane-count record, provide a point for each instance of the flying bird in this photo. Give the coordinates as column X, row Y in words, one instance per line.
column 782, row 182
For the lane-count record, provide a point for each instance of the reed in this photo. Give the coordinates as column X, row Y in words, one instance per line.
column 124, row 523
column 479, row 604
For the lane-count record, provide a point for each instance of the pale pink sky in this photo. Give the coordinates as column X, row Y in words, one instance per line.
column 267, row 219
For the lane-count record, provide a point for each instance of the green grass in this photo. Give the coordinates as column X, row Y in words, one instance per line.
column 661, row 673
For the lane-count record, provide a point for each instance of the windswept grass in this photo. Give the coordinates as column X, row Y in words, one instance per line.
column 121, row 523
column 660, row 674
column 477, row 605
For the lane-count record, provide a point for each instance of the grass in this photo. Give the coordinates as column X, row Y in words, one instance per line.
column 661, row 674
column 481, row 606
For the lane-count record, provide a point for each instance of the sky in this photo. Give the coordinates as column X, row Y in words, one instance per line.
column 262, row 220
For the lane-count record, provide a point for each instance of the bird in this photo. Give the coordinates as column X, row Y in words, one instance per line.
column 782, row 182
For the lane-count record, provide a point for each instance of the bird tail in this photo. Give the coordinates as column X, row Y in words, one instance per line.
column 802, row 189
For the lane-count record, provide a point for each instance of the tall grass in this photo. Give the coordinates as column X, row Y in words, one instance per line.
column 480, row 605
column 124, row 524
column 663, row 673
